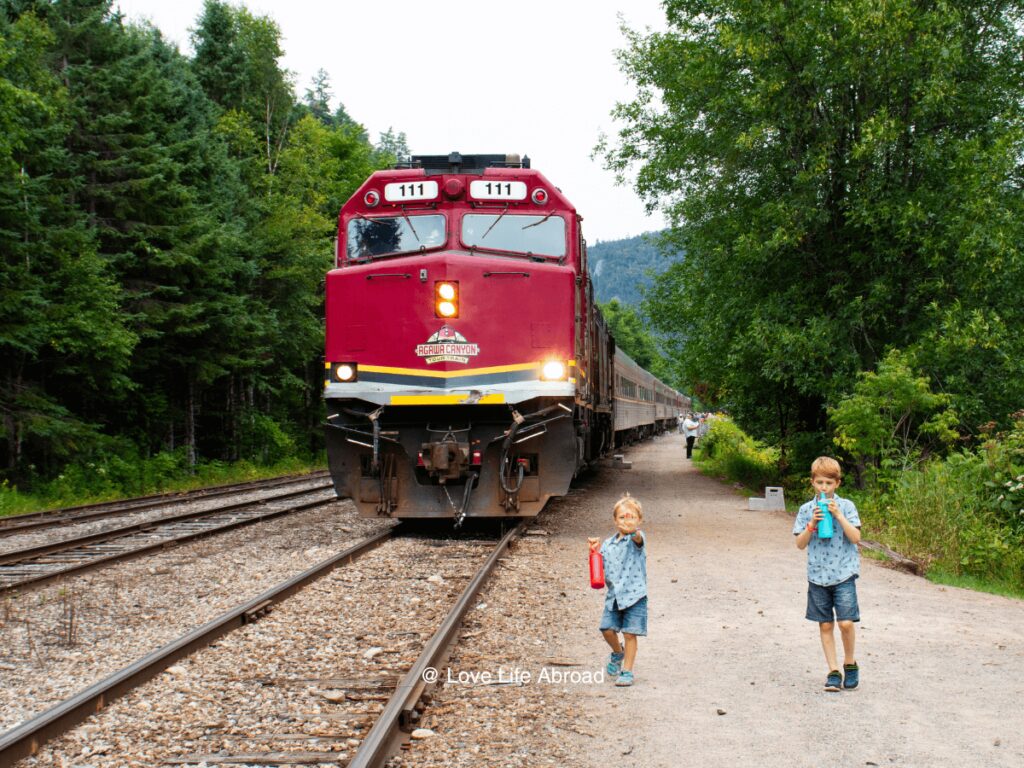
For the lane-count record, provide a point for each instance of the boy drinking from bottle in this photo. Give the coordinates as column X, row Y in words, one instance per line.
column 833, row 565
column 625, row 572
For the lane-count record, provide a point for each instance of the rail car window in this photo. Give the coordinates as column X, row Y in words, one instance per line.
column 388, row 235
column 528, row 235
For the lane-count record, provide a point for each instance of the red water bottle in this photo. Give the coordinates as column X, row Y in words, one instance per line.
column 596, row 569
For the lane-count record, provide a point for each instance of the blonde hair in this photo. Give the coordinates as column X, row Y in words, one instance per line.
column 826, row 466
column 628, row 501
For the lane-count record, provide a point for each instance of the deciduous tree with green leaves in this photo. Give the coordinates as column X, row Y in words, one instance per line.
column 892, row 420
column 839, row 175
column 633, row 337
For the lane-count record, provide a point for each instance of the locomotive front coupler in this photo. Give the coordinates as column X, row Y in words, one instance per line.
column 447, row 459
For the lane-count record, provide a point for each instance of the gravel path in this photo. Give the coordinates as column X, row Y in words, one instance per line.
column 59, row 639
column 731, row 673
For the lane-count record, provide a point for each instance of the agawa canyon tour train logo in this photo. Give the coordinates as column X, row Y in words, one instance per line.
column 447, row 346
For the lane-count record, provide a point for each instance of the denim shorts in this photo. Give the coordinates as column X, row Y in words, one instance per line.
column 632, row 620
column 840, row 598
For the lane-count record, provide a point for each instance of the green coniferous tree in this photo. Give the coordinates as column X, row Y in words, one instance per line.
column 62, row 336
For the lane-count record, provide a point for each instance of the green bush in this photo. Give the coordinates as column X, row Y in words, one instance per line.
column 963, row 515
column 1005, row 495
column 13, row 502
column 729, row 452
column 115, row 475
column 264, row 439
column 892, row 420
column 125, row 475
column 801, row 449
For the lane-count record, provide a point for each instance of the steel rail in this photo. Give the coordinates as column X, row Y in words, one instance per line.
column 97, row 562
column 28, row 553
column 386, row 734
column 26, row 739
column 54, row 517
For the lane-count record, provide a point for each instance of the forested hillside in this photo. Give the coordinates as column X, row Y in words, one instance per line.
column 622, row 268
column 165, row 224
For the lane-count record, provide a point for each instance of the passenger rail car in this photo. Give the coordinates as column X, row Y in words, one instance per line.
column 644, row 406
column 468, row 371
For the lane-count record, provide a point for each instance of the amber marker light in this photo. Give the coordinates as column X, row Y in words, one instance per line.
column 446, row 299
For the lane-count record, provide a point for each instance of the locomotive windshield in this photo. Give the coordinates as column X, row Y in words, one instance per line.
column 532, row 235
column 388, row 235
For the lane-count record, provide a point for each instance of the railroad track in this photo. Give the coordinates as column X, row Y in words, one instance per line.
column 40, row 564
column 374, row 709
column 34, row 521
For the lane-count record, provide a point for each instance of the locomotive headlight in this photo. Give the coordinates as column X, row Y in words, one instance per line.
column 345, row 372
column 446, row 299
column 553, row 370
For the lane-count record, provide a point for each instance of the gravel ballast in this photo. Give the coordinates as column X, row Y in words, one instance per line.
column 60, row 638
column 308, row 677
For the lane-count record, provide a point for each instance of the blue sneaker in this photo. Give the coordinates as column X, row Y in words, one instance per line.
column 833, row 681
column 625, row 678
column 851, row 676
column 615, row 663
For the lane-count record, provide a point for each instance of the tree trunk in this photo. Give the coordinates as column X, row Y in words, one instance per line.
column 13, row 424
column 190, row 423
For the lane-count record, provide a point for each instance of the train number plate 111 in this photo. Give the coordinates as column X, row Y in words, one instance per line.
column 497, row 190
column 402, row 191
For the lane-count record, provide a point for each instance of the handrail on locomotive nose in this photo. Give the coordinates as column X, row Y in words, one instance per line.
column 541, row 412
column 445, row 431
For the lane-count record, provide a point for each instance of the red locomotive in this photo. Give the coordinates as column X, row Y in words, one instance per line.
column 469, row 372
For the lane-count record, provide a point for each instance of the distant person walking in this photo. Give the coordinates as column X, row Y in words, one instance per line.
column 690, row 428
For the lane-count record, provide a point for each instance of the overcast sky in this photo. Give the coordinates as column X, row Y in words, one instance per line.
column 535, row 77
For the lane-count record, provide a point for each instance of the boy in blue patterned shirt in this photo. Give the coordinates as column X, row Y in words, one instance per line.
column 625, row 575
column 833, row 565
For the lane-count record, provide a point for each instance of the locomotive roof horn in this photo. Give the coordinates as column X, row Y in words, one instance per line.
column 456, row 162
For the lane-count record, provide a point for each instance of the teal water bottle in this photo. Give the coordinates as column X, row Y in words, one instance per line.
column 825, row 529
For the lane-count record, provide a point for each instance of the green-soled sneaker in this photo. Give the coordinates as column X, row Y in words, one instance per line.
column 833, row 681
column 851, row 676
column 615, row 663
